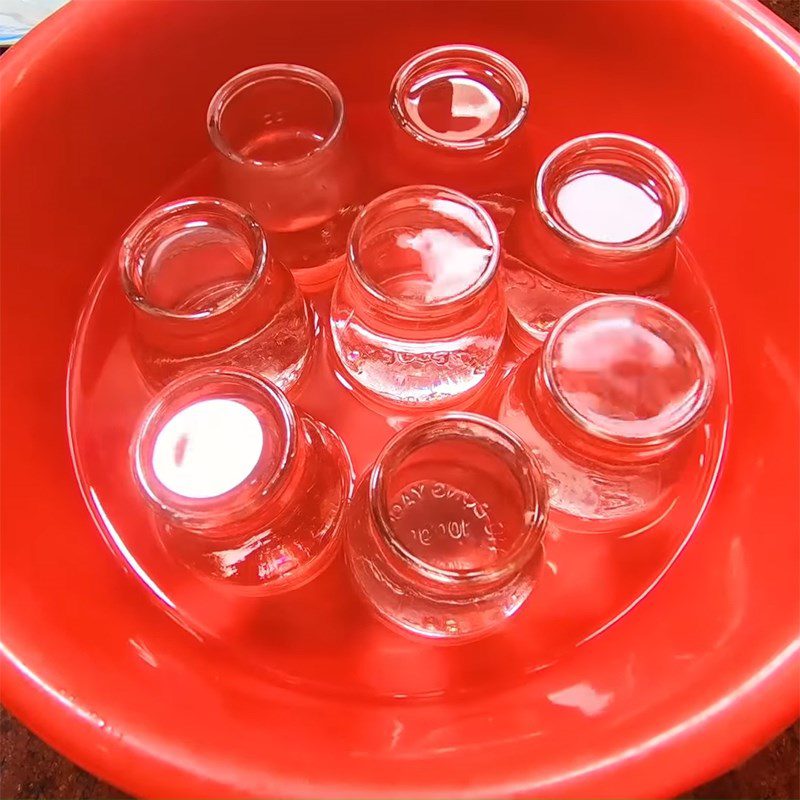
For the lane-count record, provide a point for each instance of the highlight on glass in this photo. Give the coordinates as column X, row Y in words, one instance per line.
column 246, row 491
column 205, row 291
column 604, row 217
column 279, row 130
column 455, row 107
column 608, row 405
column 445, row 534
column 418, row 316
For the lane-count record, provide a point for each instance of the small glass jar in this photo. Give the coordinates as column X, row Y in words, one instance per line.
column 279, row 130
column 604, row 217
column 246, row 491
column 445, row 534
column 459, row 113
column 606, row 407
column 205, row 292
column 418, row 317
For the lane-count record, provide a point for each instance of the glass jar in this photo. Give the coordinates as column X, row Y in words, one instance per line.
column 418, row 317
column 205, row 292
column 445, row 534
column 458, row 115
column 245, row 490
column 607, row 406
column 604, row 217
column 279, row 131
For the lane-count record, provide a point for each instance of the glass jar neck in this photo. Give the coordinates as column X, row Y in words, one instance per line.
column 422, row 254
column 198, row 276
column 578, row 264
column 276, row 117
column 604, row 214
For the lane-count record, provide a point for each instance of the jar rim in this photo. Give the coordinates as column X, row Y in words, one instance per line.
column 477, row 55
column 250, row 77
column 134, row 240
column 620, row 144
column 529, row 475
column 678, row 427
column 411, row 196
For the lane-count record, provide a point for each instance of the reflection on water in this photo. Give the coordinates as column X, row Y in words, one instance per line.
column 207, row 448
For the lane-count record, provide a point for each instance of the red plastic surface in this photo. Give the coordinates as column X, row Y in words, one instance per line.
column 101, row 108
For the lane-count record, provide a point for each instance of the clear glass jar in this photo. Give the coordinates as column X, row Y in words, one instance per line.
column 459, row 113
column 205, row 292
column 279, row 130
column 418, row 317
column 604, row 217
column 606, row 407
column 245, row 490
column 445, row 534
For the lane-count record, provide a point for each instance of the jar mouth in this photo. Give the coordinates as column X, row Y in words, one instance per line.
column 508, row 451
column 462, row 63
column 639, row 187
column 195, row 456
column 144, row 240
column 440, row 227
column 303, row 79
column 606, row 393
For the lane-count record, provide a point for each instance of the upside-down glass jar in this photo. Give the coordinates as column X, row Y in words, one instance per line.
column 279, row 131
column 205, row 292
column 459, row 114
column 604, row 216
column 418, row 317
column 607, row 406
column 445, row 534
column 246, row 491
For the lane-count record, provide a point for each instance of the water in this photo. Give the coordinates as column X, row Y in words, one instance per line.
column 607, row 208
column 208, row 448
column 458, row 104
column 535, row 301
column 279, row 349
column 322, row 638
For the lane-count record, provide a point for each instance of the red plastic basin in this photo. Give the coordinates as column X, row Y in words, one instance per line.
column 101, row 107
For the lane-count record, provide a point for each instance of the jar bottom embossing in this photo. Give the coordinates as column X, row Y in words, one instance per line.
column 445, row 535
column 245, row 490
